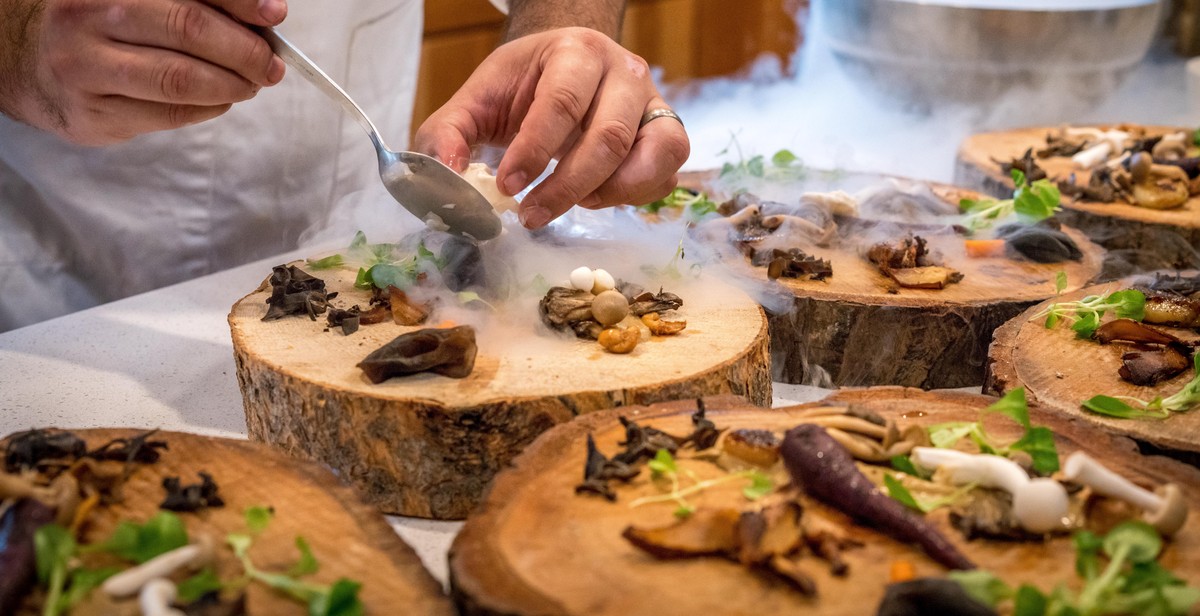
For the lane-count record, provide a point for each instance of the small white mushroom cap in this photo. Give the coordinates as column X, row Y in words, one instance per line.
column 1041, row 505
column 583, row 278
column 604, row 282
column 1165, row 509
column 156, row 597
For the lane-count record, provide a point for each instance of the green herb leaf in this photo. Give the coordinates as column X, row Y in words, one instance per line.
column 141, row 542
column 755, row 166
column 905, row 465
column 1088, row 323
column 199, row 585
column 258, row 517
column 329, row 262
column 1060, row 283
column 1087, row 554
column 341, row 600
column 1038, row 442
column 82, row 583
column 982, row 586
column 53, row 547
column 307, row 565
column 1029, row 601
column 784, row 158
column 760, row 486
column 1138, row 539
column 1013, row 405
column 663, row 463
column 900, row 494
column 684, row 510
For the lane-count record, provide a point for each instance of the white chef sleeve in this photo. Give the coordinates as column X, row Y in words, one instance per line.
column 501, row 4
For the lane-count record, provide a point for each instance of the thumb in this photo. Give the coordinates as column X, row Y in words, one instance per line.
column 443, row 142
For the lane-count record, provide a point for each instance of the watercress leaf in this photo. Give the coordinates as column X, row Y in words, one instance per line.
column 784, row 158
column 904, row 464
column 760, row 486
column 53, row 547
column 663, row 463
column 359, row 241
column 1180, row 599
column 341, row 600
column 1018, row 177
column 1013, row 405
column 949, row 433
column 727, row 169
column 1060, row 283
column 897, row 491
column 239, row 543
column 1087, row 554
column 141, row 542
column 755, row 166
column 386, row 275
column 1148, row 575
column 1140, row 539
column 363, row 279
column 1051, row 320
column 684, row 511
column 1029, row 601
column 329, row 262
column 982, row 586
column 1107, row 405
column 258, row 517
column 307, row 565
column 83, row 582
column 199, row 585
column 1038, row 442
column 1089, row 321
column 1130, row 304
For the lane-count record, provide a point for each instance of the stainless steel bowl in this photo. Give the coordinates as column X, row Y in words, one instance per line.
column 927, row 52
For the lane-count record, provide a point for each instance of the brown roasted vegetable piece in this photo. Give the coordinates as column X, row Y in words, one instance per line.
column 772, row 531
column 564, row 308
column 927, row 277
column 448, row 352
column 644, row 302
column 659, row 327
column 1169, row 309
column 619, row 340
column 793, row 263
column 758, row 447
column 909, row 263
column 706, row 532
column 1152, row 366
column 404, row 310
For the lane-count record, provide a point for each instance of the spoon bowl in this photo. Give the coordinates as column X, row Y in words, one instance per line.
column 424, row 186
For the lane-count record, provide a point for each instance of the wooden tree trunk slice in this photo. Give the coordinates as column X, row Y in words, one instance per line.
column 1138, row 238
column 1060, row 371
column 857, row 328
column 427, row 445
column 349, row 538
column 534, row 547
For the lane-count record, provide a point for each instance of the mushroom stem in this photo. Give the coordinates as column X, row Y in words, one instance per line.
column 156, row 597
column 1166, row 510
column 1039, row 505
column 130, row 581
column 1092, row 156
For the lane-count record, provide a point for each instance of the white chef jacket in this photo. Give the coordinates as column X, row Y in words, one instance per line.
column 80, row 226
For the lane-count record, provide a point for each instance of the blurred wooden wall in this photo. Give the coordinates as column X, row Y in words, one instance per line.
column 687, row 38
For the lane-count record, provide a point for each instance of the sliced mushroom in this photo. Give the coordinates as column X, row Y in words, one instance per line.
column 448, row 352
column 1166, row 509
column 1165, row 187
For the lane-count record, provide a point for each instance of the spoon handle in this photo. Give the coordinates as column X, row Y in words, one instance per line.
column 296, row 59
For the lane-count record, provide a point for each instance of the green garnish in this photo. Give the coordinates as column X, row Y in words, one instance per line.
column 1127, row 407
column 384, row 265
column 329, row 262
column 1038, row 441
column 695, row 205
column 897, row 491
column 1030, row 202
column 1084, row 315
column 1060, row 283
column 1120, row 574
column 339, row 599
column 141, row 542
column 664, row 468
column 784, row 165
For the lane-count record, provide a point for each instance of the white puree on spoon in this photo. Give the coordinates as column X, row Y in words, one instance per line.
column 482, row 179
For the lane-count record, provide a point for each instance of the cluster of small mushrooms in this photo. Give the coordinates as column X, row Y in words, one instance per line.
column 616, row 314
column 1152, row 172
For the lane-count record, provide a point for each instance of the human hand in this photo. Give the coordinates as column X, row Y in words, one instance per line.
column 97, row 72
column 572, row 94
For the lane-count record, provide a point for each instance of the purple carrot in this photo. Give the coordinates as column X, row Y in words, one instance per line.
column 826, row 471
column 18, row 563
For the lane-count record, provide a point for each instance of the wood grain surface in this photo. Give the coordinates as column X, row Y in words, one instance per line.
column 534, row 547
column 349, row 538
column 427, row 445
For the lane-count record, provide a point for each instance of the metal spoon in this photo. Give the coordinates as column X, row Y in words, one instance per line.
column 420, row 183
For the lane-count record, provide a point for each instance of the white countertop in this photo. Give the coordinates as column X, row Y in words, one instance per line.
column 164, row 359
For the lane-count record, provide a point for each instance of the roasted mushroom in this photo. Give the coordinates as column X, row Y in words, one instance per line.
column 448, row 352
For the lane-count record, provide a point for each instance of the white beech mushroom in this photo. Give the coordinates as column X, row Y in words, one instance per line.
column 127, row 583
column 156, row 597
column 1039, row 505
column 1165, row 509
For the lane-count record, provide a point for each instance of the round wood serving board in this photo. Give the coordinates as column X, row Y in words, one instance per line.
column 857, row 328
column 349, row 538
column 534, row 547
column 1060, row 372
column 427, row 445
column 1142, row 238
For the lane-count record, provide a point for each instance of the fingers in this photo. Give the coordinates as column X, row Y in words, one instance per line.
column 446, row 139
column 113, row 119
column 661, row 149
column 199, row 31
column 563, row 96
column 257, row 12
column 158, row 75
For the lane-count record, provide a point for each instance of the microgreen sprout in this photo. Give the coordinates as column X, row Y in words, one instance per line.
column 1130, row 582
column 665, row 468
column 1038, row 441
column 1060, row 283
column 1031, row 202
column 902, row 494
column 694, row 204
column 1128, row 407
column 1084, row 315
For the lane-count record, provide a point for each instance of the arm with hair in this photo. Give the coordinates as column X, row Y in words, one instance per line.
column 530, row 16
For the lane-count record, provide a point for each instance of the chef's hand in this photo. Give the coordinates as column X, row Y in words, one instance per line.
column 572, row 94
column 96, row 72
